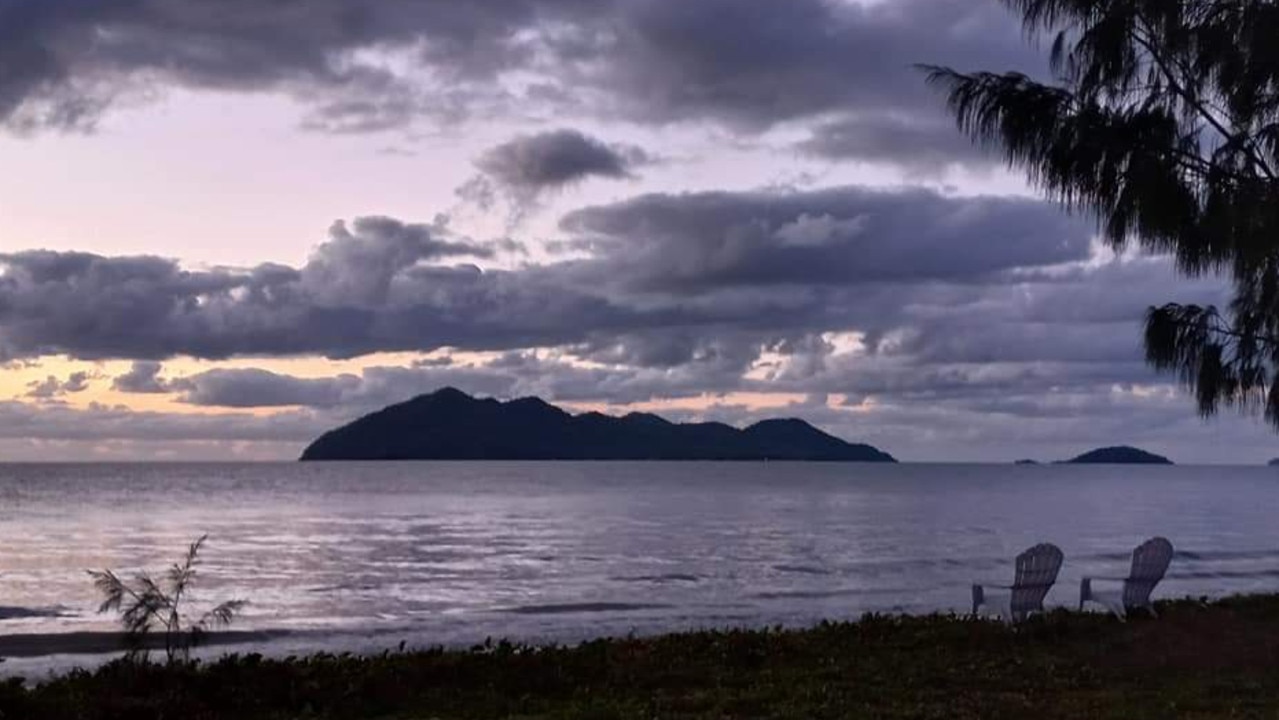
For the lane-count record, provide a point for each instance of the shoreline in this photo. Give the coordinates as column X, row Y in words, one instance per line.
column 92, row 642
column 1197, row 659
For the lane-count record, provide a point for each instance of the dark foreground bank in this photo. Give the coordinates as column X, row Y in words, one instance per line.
column 1195, row 661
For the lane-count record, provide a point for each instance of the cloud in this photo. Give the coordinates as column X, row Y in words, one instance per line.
column 253, row 388
column 891, row 303
column 754, row 65
column 675, row 266
column 527, row 167
column 367, row 65
column 837, row 236
column 924, row 143
column 51, row 387
column 23, row 421
column 142, row 378
column 151, row 308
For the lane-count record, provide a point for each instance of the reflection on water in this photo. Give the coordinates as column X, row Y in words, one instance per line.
column 454, row 552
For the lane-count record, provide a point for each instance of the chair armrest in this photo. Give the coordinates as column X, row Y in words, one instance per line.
column 1107, row 579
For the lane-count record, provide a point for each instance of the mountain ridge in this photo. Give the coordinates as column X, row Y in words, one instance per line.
column 451, row 425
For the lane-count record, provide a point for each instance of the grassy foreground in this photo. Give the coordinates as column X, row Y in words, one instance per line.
column 1195, row 661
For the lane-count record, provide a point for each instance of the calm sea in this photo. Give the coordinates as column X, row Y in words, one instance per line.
column 359, row 556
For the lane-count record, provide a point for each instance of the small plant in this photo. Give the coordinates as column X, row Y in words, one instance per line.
column 146, row 605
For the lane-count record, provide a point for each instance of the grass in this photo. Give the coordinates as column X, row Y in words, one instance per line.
column 1195, row 661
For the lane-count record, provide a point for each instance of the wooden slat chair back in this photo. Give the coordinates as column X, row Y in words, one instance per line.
column 1150, row 561
column 1037, row 570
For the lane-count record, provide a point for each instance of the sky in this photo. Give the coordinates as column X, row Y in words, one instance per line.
column 227, row 227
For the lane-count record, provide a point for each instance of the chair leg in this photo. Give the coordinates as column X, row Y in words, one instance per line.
column 979, row 598
column 1085, row 591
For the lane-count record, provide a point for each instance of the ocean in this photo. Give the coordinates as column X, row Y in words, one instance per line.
column 361, row 556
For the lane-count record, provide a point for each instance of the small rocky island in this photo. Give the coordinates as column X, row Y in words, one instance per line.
column 451, row 425
column 1122, row 455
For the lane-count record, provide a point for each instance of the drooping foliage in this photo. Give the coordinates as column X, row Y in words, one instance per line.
column 1162, row 120
column 147, row 605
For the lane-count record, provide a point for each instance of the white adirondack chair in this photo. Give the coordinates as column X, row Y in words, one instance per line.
column 1036, row 572
column 1150, row 561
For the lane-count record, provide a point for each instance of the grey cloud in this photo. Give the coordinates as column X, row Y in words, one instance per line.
column 51, row 387
column 755, row 64
column 692, row 242
column 358, row 264
column 360, row 290
column 23, row 421
column 253, row 388
column 703, row 278
column 529, row 165
column 67, row 60
column 746, row 65
column 925, row 143
column 374, row 387
column 142, row 378
column 967, row 305
column 76, row 382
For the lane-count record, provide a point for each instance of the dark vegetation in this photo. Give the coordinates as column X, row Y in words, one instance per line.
column 451, row 425
column 1194, row 661
column 147, row 605
column 1162, row 121
column 1122, row 455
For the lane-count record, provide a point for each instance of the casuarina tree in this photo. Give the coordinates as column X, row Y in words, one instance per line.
column 1161, row 118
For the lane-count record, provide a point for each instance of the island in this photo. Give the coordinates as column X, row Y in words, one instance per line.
column 1274, row 462
column 1025, row 462
column 451, row 425
column 1122, row 455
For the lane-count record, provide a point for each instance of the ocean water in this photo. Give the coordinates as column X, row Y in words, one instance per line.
column 359, row 556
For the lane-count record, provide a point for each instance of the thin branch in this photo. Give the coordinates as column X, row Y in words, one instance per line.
column 1192, row 99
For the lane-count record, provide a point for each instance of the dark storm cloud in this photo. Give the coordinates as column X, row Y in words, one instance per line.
column 754, row 64
column 743, row 64
column 367, row 286
column 695, row 242
column 142, row 378
column 66, row 59
column 673, row 278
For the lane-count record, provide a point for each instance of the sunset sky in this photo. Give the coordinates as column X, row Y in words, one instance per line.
column 223, row 232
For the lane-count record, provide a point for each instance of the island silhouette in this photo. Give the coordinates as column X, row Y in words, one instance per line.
column 450, row 425
column 1120, row 455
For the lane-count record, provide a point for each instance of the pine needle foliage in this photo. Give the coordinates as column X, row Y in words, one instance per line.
column 1162, row 121
column 147, row 605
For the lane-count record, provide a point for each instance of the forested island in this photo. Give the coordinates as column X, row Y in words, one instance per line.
column 1121, row 455
column 451, row 425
